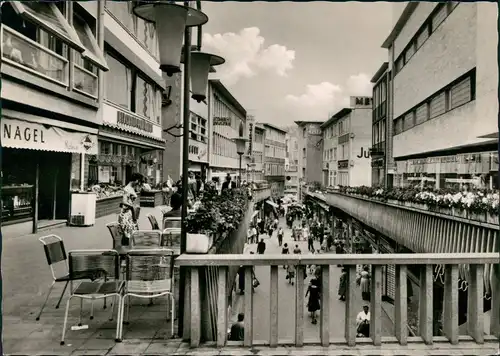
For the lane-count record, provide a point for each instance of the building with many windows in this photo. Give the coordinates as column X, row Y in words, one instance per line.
column 257, row 153
column 310, row 139
column 226, row 115
column 444, row 112
column 380, row 136
column 346, row 145
column 97, row 84
column 274, row 158
column 292, row 162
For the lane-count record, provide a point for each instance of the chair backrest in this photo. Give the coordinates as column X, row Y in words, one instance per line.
column 94, row 264
column 116, row 234
column 146, row 239
column 172, row 222
column 153, row 222
column 151, row 265
column 171, row 237
column 55, row 253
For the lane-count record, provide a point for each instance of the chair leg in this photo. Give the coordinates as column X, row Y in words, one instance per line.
column 92, row 310
column 81, row 312
column 45, row 302
column 62, row 294
column 172, row 315
column 113, row 309
column 65, row 320
column 119, row 317
column 127, row 312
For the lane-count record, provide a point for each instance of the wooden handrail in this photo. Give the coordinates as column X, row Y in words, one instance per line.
column 197, row 264
column 333, row 259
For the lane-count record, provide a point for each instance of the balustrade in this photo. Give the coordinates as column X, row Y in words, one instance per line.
column 196, row 265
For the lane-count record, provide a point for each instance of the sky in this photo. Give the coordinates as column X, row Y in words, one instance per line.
column 291, row 61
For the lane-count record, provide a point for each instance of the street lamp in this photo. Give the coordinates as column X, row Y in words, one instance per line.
column 173, row 23
column 240, row 149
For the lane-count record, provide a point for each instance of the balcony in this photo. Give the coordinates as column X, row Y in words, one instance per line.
column 343, row 339
column 24, row 53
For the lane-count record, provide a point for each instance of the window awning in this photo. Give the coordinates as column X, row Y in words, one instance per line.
column 47, row 16
column 92, row 51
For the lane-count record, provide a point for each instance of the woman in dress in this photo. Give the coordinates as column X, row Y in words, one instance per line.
column 364, row 282
column 129, row 213
column 314, row 296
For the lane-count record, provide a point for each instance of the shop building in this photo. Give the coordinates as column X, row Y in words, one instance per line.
column 380, row 135
column 226, row 116
column 444, row 80
column 274, row 159
column 51, row 67
column 292, row 162
column 347, row 143
column 310, row 150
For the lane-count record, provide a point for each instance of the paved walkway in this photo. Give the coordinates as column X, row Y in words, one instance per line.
column 286, row 291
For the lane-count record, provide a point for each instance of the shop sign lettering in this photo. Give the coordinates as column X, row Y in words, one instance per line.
column 129, row 120
column 250, row 136
column 364, row 153
column 27, row 134
column 222, row 121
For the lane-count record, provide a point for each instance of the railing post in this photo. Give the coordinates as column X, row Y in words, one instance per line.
column 273, row 307
column 401, row 305
column 376, row 305
column 350, row 311
column 186, row 330
column 222, row 307
column 195, row 322
column 325, row 306
column 450, row 313
column 425, row 319
column 299, row 306
column 248, row 341
column 475, row 314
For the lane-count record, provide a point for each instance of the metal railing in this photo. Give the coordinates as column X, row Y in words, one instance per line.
column 477, row 261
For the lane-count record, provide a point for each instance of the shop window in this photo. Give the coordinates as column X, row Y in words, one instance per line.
column 460, row 93
column 118, row 83
column 114, row 174
column 144, row 98
column 116, row 149
column 105, row 148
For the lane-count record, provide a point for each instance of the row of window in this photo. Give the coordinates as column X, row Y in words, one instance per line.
column 440, row 13
column 273, row 151
column 339, row 128
column 275, row 135
column 222, row 111
column 223, row 146
column 198, row 129
column 143, row 31
column 445, row 100
column 128, row 88
column 274, row 169
column 380, row 93
column 115, row 149
column 378, row 132
column 331, row 154
column 259, row 137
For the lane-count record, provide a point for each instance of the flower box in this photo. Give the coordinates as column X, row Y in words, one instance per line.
column 393, row 201
column 446, row 211
column 460, row 213
column 492, row 218
column 477, row 216
column 198, row 243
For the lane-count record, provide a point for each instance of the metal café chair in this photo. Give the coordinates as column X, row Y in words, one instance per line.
column 103, row 269
column 116, row 234
column 172, row 222
column 153, row 222
column 146, row 239
column 55, row 253
column 149, row 275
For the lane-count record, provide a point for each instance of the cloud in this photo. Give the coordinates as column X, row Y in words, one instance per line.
column 319, row 101
column 246, row 55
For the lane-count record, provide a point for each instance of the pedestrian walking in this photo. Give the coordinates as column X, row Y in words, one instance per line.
column 342, row 285
column 280, row 236
column 261, row 247
column 270, row 230
column 285, row 251
column 363, row 281
column 255, row 235
column 250, row 235
column 310, row 244
column 313, row 304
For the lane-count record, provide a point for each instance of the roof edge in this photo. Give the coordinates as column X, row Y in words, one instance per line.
column 383, row 68
column 227, row 94
column 403, row 19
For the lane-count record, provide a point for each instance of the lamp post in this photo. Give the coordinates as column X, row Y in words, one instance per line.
column 240, row 150
column 173, row 23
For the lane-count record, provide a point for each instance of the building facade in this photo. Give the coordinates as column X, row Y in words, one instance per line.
column 310, row 151
column 80, row 104
column 274, row 159
column 226, row 115
column 292, row 162
column 257, row 139
column 445, row 93
column 347, row 140
column 380, row 136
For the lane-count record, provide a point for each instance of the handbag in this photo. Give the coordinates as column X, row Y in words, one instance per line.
column 255, row 283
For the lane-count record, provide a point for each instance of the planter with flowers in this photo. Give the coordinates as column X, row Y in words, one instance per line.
column 478, row 205
column 218, row 215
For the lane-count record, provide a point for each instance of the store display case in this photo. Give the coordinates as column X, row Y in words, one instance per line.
column 17, row 203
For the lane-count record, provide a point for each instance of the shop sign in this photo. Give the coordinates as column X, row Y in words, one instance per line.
column 344, row 164
column 35, row 136
column 124, row 119
column 314, row 130
column 250, row 138
column 222, row 121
